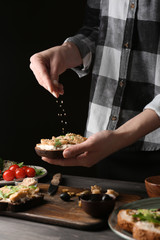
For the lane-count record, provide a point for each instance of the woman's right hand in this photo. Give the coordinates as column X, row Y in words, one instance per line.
column 49, row 64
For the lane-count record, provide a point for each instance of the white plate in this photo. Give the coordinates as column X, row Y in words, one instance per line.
column 146, row 203
column 3, row 182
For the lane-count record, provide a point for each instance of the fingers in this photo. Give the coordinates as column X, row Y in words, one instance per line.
column 61, row 162
column 69, row 162
column 85, row 159
column 81, row 154
column 58, row 88
column 43, row 76
column 75, row 150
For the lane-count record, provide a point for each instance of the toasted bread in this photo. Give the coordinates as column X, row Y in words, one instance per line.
column 125, row 219
column 53, row 154
column 23, row 206
column 144, row 224
column 54, row 147
column 20, row 197
column 146, row 231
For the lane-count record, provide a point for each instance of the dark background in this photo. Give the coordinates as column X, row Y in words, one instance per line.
column 28, row 112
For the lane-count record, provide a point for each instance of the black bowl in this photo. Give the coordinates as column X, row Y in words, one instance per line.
column 96, row 207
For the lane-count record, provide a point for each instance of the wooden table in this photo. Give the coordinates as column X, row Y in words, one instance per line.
column 12, row 228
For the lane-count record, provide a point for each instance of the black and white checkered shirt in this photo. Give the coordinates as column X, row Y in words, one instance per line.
column 122, row 39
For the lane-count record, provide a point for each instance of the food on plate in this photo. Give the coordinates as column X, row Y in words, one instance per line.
column 28, row 182
column 142, row 223
column 126, row 220
column 146, row 230
column 53, row 148
column 16, row 172
column 8, row 175
column 11, row 170
column 20, row 173
column 20, row 197
column 30, row 172
column 5, row 164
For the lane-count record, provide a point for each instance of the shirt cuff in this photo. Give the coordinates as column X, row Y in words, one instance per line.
column 87, row 61
column 86, row 57
column 154, row 105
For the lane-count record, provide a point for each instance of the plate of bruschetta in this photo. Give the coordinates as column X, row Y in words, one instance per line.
column 137, row 220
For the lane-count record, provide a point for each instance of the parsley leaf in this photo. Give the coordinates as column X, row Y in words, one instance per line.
column 57, row 143
column 149, row 215
column 39, row 172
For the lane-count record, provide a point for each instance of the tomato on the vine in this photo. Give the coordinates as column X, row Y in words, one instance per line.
column 8, row 175
column 15, row 171
column 30, row 172
column 20, row 173
column 24, row 168
column 13, row 167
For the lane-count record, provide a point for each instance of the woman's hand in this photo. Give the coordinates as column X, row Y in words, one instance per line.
column 88, row 153
column 49, row 64
column 104, row 143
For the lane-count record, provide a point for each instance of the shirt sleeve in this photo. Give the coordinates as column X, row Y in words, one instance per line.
column 86, row 38
column 154, row 105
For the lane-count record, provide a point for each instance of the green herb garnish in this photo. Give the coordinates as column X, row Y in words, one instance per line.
column 39, row 172
column 32, row 187
column 13, row 189
column 1, row 194
column 57, row 143
column 149, row 215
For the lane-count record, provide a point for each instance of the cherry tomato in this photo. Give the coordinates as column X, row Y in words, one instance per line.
column 13, row 167
column 0, row 171
column 24, row 168
column 20, row 173
column 8, row 175
column 30, row 172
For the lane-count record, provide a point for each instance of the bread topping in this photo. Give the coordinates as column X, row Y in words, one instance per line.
column 60, row 142
column 23, row 191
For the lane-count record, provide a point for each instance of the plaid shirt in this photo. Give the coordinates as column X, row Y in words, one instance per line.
column 122, row 38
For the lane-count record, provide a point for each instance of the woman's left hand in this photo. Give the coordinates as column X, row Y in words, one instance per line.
column 88, row 153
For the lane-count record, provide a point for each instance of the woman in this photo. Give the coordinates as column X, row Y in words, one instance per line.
column 121, row 40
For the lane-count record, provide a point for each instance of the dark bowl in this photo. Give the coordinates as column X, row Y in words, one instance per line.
column 97, row 207
column 152, row 185
column 49, row 153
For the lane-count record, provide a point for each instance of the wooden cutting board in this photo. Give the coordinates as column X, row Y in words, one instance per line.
column 58, row 212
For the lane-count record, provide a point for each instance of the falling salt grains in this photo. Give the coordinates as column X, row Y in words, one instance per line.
column 62, row 115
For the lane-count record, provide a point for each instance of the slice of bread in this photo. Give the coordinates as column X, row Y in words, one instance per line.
column 53, row 148
column 141, row 229
column 20, row 197
column 146, row 231
column 125, row 219
column 27, row 204
column 53, row 154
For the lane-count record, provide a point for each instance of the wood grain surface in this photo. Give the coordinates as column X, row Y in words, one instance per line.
column 55, row 211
